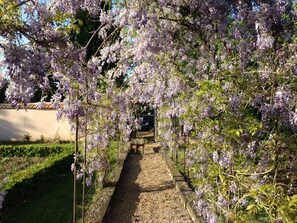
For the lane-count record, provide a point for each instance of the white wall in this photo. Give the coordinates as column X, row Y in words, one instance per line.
column 15, row 123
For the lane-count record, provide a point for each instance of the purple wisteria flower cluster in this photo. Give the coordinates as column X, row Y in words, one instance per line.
column 222, row 73
column 2, row 194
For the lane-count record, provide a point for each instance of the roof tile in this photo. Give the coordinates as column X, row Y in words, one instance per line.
column 29, row 106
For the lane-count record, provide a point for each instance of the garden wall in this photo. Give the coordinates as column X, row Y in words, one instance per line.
column 14, row 124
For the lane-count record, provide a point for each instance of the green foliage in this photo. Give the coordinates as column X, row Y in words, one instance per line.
column 51, row 204
column 38, row 150
column 10, row 15
column 22, row 184
column 112, row 154
column 291, row 209
column 82, row 32
column 2, row 93
column 27, row 137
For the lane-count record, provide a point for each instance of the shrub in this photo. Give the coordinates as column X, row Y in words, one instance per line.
column 33, row 150
column 22, row 184
column 27, row 137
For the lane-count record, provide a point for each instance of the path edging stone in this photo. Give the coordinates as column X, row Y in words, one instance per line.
column 103, row 199
column 186, row 194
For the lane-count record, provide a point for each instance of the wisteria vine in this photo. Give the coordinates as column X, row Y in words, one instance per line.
column 221, row 72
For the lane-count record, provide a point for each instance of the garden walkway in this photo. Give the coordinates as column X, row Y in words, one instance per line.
column 145, row 192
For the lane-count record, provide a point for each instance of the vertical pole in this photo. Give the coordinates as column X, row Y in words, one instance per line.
column 185, row 160
column 85, row 157
column 84, row 175
column 155, row 125
column 75, row 168
column 118, row 141
column 118, row 146
column 188, row 144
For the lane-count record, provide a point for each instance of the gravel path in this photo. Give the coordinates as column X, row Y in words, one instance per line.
column 146, row 192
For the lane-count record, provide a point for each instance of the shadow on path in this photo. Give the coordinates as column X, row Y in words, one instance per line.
column 126, row 196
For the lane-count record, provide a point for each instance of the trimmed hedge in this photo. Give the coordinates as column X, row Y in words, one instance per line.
column 38, row 150
column 21, row 185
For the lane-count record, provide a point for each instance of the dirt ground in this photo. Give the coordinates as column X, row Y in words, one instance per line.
column 145, row 192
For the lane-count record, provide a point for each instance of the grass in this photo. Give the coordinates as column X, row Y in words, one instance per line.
column 179, row 159
column 179, row 162
column 53, row 204
column 112, row 154
column 11, row 165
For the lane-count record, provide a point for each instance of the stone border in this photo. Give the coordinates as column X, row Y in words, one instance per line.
column 186, row 194
column 100, row 205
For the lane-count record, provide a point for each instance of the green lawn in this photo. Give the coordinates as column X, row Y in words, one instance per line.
column 53, row 204
column 11, row 165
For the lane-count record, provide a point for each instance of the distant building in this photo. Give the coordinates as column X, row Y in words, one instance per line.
column 37, row 123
